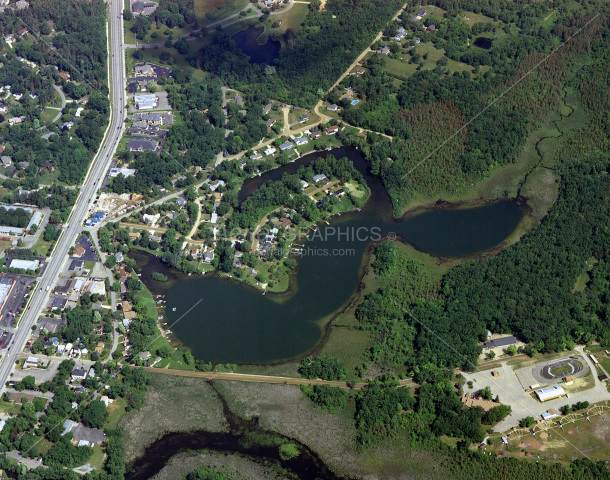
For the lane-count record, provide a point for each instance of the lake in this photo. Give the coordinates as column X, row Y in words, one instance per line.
column 226, row 321
column 246, row 41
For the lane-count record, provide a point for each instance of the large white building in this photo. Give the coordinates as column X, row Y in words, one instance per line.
column 24, row 264
column 549, row 393
column 146, row 101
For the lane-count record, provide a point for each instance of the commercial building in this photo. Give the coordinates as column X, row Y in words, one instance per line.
column 146, row 101
column 24, row 264
column 549, row 393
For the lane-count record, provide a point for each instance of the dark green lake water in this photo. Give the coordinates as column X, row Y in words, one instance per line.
column 237, row 324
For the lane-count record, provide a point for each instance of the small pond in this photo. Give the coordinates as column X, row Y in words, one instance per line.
column 483, row 42
column 246, row 41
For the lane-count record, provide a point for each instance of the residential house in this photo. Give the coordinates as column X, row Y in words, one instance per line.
column 16, row 120
column 66, row 126
column 320, row 178
column 208, row 256
column 48, row 135
column 267, row 108
column 6, row 161
column 303, row 119
column 22, row 31
column 400, row 34
column 271, row 122
column 332, row 130
column 255, row 156
column 270, row 150
column 385, row 50
column 239, row 101
column 360, row 71
column 316, row 134
column 64, row 76
column 333, row 108
column 48, row 166
column 78, row 374
column 286, row 145
column 21, row 5
column 301, row 141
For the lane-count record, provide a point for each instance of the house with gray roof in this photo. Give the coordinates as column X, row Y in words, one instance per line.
column 286, row 145
column 142, row 145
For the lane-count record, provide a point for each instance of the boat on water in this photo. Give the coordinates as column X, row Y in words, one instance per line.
column 174, row 309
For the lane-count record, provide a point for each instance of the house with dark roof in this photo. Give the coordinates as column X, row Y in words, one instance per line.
column 145, row 8
column 142, row 144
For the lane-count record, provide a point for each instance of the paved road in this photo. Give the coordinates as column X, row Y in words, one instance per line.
column 63, row 102
column 244, row 377
column 97, row 170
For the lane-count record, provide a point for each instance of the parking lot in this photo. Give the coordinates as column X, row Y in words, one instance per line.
column 5, row 338
column 89, row 255
column 16, row 296
column 507, row 385
column 40, row 374
column 163, row 104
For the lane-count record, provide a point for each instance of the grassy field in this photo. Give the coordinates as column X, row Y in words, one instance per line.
column 291, row 19
column 9, row 407
column 176, row 404
column 208, row 11
column 116, row 410
column 47, row 115
column 562, row 445
column 41, row 247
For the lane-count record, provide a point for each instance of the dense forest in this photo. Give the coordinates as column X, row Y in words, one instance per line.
column 63, row 36
column 433, row 106
column 77, row 32
column 310, row 60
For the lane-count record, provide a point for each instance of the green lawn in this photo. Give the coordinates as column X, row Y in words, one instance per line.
column 291, row 19
column 47, row 115
column 116, row 410
column 41, row 247
column 9, row 407
column 208, row 11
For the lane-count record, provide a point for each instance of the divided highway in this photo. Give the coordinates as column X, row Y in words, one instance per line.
column 39, row 298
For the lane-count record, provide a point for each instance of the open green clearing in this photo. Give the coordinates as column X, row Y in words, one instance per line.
column 209, row 11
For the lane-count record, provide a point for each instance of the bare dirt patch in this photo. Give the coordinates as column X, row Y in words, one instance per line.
column 173, row 404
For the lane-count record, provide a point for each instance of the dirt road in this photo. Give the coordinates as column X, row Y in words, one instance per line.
column 244, row 377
